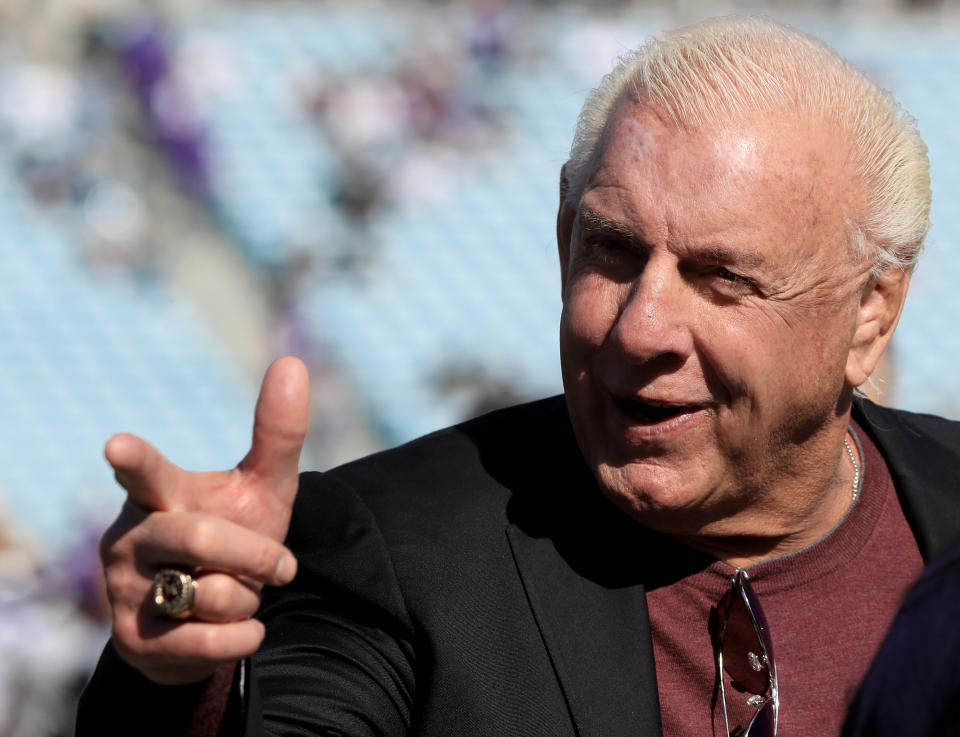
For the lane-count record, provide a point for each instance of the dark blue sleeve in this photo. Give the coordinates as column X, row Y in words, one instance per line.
column 913, row 685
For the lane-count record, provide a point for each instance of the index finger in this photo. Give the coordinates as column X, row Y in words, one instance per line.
column 148, row 477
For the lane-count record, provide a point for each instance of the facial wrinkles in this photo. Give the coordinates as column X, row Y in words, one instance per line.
column 593, row 324
column 818, row 275
column 763, row 355
column 821, row 281
column 729, row 171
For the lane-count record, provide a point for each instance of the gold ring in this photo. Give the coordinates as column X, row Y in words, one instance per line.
column 174, row 593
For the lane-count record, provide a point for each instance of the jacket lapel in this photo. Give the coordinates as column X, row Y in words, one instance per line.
column 921, row 453
column 598, row 639
column 585, row 567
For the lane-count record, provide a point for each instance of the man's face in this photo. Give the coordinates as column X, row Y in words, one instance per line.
column 709, row 303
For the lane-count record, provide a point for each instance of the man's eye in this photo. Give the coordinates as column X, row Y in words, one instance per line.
column 603, row 250
column 730, row 285
column 610, row 257
column 600, row 244
column 729, row 276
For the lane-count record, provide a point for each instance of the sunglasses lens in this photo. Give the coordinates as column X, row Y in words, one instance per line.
column 743, row 653
column 746, row 656
column 764, row 722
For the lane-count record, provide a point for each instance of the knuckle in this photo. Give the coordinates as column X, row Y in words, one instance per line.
column 249, row 602
column 216, row 596
column 127, row 633
column 248, row 636
column 208, row 643
column 121, row 536
column 108, row 545
column 264, row 560
column 246, row 503
column 200, row 537
column 113, row 574
column 122, row 582
column 152, row 531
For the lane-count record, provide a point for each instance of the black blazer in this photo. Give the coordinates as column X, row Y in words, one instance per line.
column 477, row 582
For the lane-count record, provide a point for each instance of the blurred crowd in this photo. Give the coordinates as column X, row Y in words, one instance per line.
column 54, row 619
column 63, row 136
column 395, row 131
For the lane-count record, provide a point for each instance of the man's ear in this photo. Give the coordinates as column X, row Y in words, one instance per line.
column 566, row 214
column 881, row 303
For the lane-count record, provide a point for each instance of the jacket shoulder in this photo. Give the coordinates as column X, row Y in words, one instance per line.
column 883, row 421
column 487, row 450
column 458, row 480
column 922, row 453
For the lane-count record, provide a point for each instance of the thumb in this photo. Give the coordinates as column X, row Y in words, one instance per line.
column 280, row 424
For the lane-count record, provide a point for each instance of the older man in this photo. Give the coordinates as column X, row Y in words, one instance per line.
column 708, row 535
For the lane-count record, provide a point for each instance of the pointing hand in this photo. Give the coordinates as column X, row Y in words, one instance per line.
column 227, row 527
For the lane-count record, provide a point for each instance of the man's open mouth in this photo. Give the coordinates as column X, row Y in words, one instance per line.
column 651, row 413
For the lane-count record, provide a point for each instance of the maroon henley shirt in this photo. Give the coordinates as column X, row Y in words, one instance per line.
column 828, row 607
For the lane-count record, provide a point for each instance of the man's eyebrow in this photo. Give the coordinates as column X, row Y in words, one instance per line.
column 593, row 221
column 723, row 255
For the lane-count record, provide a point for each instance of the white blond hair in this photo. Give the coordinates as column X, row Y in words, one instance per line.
column 728, row 69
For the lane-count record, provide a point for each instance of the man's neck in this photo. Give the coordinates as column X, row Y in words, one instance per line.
column 799, row 528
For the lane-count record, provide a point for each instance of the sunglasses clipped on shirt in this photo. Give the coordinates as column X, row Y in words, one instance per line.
column 744, row 652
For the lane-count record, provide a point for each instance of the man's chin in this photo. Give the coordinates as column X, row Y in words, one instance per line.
column 650, row 493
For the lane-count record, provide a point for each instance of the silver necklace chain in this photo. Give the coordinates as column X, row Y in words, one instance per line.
column 856, row 468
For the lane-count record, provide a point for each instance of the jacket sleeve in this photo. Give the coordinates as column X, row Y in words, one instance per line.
column 118, row 699
column 913, row 685
column 338, row 657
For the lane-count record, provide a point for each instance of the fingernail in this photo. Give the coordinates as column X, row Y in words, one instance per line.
column 286, row 569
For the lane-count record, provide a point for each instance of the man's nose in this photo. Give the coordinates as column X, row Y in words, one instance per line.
column 655, row 320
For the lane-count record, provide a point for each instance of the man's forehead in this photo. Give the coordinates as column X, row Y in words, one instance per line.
column 734, row 185
column 802, row 161
column 739, row 146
